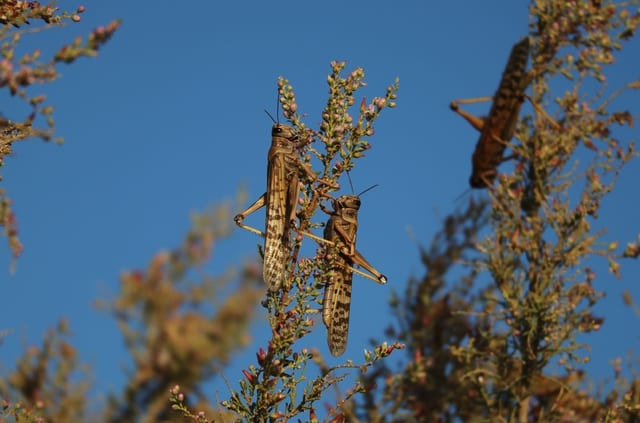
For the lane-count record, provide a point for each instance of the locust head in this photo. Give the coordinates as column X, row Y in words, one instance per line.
column 347, row 202
column 482, row 180
column 347, row 206
column 284, row 131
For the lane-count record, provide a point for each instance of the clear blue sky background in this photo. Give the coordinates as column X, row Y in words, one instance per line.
column 169, row 119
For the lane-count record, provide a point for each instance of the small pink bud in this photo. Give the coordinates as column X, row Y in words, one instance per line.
column 261, row 355
column 380, row 102
column 249, row 376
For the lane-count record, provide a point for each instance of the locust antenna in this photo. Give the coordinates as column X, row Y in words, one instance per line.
column 269, row 114
column 464, row 193
column 277, row 119
column 350, row 183
column 368, row 189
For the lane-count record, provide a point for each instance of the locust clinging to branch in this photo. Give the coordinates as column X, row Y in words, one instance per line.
column 280, row 200
column 340, row 233
column 498, row 127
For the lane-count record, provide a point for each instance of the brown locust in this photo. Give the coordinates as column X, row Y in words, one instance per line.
column 340, row 233
column 497, row 129
column 280, row 200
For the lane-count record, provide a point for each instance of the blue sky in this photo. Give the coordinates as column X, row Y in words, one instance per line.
column 169, row 120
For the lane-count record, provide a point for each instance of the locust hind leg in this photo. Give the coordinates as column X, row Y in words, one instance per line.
column 359, row 259
column 239, row 218
column 476, row 122
column 378, row 277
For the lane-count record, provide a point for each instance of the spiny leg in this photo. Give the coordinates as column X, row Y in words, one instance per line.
column 477, row 122
column 379, row 278
column 359, row 259
column 239, row 218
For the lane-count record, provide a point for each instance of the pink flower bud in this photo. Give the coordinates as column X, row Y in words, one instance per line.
column 249, row 376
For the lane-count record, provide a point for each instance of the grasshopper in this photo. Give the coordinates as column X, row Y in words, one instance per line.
column 280, row 201
column 498, row 128
column 340, row 232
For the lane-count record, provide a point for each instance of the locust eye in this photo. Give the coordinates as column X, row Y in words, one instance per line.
column 277, row 130
column 284, row 131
